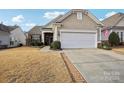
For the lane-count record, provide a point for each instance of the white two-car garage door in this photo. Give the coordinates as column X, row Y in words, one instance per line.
column 78, row 39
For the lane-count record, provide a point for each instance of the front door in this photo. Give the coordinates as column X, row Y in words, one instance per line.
column 48, row 38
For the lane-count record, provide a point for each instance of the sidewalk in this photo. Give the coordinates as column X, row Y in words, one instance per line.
column 46, row 49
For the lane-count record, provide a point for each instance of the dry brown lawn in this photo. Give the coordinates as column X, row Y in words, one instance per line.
column 26, row 64
column 119, row 50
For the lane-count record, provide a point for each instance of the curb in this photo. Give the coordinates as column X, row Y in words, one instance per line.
column 74, row 73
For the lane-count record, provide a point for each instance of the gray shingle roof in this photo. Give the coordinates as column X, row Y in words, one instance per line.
column 35, row 30
column 7, row 28
column 113, row 20
column 53, row 21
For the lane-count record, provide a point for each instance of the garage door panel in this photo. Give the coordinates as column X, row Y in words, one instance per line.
column 78, row 40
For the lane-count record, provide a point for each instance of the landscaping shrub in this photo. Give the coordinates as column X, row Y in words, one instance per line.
column 106, row 45
column 121, row 43
column 39, row 43
column 114, row 39
column 33, row 43
column 20, row 45
column 36, row 43
column 55, row 45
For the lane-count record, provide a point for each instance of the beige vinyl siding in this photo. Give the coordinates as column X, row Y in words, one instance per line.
column 71, row 22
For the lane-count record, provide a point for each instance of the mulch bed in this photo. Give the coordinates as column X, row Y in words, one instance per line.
column 74, row 73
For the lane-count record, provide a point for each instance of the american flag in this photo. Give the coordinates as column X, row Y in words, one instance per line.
column 106, row 33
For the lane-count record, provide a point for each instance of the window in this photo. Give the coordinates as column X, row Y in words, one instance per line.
column 79, row 15
column 36, row 37
column 11, row 42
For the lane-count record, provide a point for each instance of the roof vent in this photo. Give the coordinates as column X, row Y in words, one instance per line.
column 79, row 15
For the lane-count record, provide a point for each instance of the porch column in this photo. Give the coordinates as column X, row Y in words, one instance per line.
column 55, row 34
column 42, row 36
column 111, row 31
column 100, row 34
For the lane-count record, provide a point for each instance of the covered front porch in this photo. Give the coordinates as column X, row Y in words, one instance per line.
column 47, row 36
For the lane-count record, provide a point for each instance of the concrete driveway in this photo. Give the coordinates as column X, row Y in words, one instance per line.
column 98, row 66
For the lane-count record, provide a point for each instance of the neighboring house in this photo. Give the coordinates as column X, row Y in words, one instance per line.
column 114, row 23
column 4, row 36
column 11, row 36
column 17, row 36
column 76, row 29
column 35, row 33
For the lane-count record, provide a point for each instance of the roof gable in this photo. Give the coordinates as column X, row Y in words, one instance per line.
column 60, row 18
column 113, row 20
column 72, row 22
column 86, row 12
